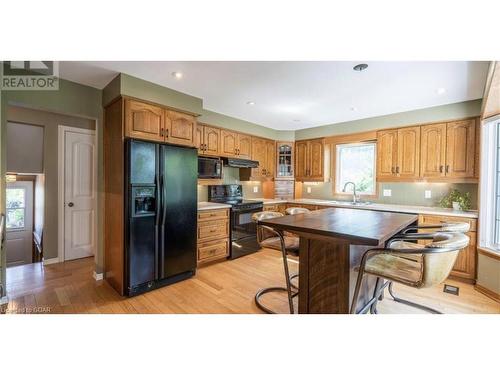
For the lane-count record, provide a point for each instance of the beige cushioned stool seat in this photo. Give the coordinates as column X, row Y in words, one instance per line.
column 395, row 268
column 408, row 245
column 291, row 243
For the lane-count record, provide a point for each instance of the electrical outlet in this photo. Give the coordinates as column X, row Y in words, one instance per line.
column 308, row 190
column 428, row 194
column 255, row 189
column 387, row 192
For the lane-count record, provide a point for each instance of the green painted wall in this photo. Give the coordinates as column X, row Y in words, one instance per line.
column 71, row 99
column 439, row 113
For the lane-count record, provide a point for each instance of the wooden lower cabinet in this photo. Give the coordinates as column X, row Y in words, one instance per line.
column 213, row 235
column 310, row 207
column 465, row 265
column 275, row 207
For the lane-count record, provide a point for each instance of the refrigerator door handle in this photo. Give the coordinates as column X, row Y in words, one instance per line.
column 162, row 230
column 157, row 222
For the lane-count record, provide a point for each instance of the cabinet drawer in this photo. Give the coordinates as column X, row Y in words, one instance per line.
column 213, row 214
column 438, row 219
column 213, row 229
column 213, row 250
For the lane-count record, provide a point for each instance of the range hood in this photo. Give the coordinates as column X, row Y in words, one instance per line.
column 240, row 163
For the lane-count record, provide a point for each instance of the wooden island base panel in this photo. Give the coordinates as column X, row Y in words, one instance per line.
column 332, row 242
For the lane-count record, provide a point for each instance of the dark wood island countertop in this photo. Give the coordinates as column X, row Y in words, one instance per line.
column 332, row 242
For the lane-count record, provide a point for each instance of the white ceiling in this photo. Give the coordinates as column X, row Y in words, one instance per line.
column 299, row 95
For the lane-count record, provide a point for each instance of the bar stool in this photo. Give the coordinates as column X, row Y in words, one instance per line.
column 271, row 238
column 437, row 260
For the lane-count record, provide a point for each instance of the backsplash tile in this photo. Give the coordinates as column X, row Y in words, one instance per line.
column 407, row 193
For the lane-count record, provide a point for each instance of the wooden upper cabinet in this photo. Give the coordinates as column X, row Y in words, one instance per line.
column 270, row 158
column 408, row 164
column 433, row 151
column 387, row 153
column 259, row 154
column 198, row 139
column 211, row 140
column 244, row 146
column 301, row 159
column 460, row 148
column 229, row 143
column 180, row 128
column 144, row 121
column 316, row 159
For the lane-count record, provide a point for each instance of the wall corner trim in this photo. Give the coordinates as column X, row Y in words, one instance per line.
column 487, row 292
column 46, row 262
column 98, row 276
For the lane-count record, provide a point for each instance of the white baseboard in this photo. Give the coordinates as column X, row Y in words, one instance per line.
column 98, row 276
column 4, row 300
column 50, row 261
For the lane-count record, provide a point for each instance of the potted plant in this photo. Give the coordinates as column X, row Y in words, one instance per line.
column 456, row 200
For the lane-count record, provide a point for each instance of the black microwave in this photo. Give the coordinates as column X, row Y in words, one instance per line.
column 209, row 168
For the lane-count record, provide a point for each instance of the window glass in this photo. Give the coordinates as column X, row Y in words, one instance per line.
column 15, row 201
column 356, row 163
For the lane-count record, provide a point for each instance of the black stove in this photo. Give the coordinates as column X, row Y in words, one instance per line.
column 243, row 229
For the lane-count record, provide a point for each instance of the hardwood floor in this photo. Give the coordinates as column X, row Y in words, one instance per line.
column 224, row 288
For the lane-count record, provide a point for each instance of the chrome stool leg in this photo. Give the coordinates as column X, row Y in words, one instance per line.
column 412, row 304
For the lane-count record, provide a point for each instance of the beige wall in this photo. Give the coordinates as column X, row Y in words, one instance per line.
column 49, row 122
column 488, row 273
column 24, row 148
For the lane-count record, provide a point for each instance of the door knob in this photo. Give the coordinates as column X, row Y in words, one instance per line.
column 71, row 204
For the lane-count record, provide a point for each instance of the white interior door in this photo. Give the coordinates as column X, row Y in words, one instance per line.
column 19, row 223
column 79, row 194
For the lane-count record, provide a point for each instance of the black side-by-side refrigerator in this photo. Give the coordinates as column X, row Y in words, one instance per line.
column 161, row 201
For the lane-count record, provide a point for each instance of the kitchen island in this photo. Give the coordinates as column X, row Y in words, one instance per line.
column 332, row 242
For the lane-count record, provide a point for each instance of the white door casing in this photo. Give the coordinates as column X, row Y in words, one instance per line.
column 79, row 193
column 19, row 241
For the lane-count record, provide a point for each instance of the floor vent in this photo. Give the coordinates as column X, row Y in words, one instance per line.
column 451, row 289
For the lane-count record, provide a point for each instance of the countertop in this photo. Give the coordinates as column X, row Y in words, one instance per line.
column 360, row 227
column 212, row 206
column 379, row 207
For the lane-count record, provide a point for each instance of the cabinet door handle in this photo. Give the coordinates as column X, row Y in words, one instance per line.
column 440, row 169
column 397, row 170
column 447, row 169
column 393, row 170
column 166, row 133
column 161, row 132
column 205, row 148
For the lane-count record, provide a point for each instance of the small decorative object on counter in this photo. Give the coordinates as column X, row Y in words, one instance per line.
column 456, row 200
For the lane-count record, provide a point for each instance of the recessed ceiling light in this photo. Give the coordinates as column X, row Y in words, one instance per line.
column 251, row 103
column 177, row 75
column 296, row 120
column 360, row 67
column 441, row 90
column 352, row 108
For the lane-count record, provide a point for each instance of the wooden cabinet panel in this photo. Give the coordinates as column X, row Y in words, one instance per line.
column 316, row 159
column 211, row 140
column 465, row 265
column 270, row 158
column 244, row 146
column 408, row 165
column 198, row 139
column 259, row 151
column 387, row 155
column 433, row 150
column 301, row 159
column 213, row 250
column 229, row 143
column 213, row 235
column 181, row 129
column 460, row 148
column 144, row 121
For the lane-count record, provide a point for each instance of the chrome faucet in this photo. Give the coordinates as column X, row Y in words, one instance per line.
column 354, row 200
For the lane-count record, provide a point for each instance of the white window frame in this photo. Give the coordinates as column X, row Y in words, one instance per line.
column 337, row 187
column 7, row 229
column 488, row 206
